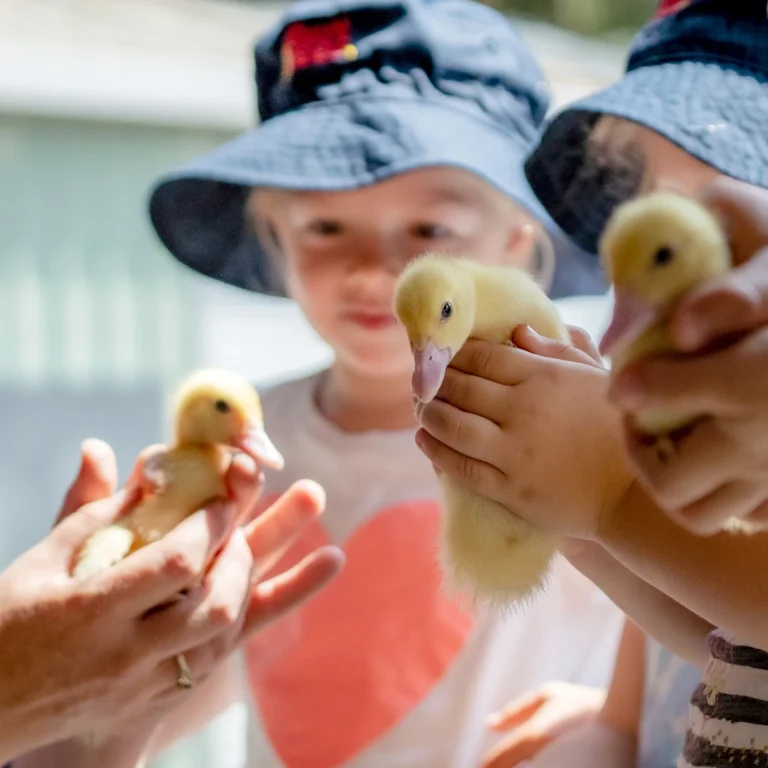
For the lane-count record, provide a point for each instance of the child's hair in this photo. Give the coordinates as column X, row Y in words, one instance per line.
column 697, row 75
column 354, row 93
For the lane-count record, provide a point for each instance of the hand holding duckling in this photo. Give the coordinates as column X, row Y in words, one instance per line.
column 215, row 412
column 503, row 430
column 715, row 364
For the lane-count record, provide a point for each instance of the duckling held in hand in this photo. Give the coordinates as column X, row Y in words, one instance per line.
column 442, row 301
column 655, row 249
column 216, row 413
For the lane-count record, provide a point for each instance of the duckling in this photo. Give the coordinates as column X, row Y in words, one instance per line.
column 654, row 250
column 442, row 301
column 216, row 412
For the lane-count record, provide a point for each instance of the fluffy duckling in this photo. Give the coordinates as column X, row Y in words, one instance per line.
column 655, row 249
column 442, row 301
column 216, row 412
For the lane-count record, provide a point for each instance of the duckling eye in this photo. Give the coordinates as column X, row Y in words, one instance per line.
column 222, row 406
column 446, row 311
column 663, row 256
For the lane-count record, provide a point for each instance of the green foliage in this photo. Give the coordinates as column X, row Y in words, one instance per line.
column 592, row 17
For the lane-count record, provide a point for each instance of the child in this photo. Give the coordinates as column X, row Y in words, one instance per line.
column 687, row 112
column 387, row 130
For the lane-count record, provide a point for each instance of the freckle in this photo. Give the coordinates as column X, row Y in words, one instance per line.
column 528, row 452
column 528, row 494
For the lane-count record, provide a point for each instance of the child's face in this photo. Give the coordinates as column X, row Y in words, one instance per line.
column 342, row 251
column 666, row 166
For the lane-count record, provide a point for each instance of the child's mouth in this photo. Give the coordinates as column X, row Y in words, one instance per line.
column 372, row 321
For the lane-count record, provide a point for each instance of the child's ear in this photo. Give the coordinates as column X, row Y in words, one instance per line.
column 529, row 247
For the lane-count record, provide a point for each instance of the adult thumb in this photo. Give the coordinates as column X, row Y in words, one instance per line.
column 96, row 478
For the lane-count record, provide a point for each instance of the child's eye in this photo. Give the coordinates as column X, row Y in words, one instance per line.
column 431, row 231
column 325, row 227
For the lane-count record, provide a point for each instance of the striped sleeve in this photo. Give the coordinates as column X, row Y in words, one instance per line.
column 728, row 715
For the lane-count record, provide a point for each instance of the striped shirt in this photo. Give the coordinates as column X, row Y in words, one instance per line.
column 728, row 714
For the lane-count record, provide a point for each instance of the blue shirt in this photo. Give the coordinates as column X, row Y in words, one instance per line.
column 669, row 683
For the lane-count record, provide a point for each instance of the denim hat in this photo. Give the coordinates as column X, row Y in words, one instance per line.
column 352, row 92
column 698, row 75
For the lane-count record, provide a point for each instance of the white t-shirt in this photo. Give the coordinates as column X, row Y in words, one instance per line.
column 382, row 669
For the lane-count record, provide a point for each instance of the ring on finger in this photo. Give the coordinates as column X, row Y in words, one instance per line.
column 184, row 678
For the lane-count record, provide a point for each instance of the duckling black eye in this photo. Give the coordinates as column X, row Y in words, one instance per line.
column 662, row 257
column 222, row 406
column 446, row 311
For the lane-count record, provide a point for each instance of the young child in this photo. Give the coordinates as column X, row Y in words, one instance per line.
column 691, row 109
column 386, row 131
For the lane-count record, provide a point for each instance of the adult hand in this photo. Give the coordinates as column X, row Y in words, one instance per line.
column 719, row 468
column 87, row 657
column 530, row 428
column 534, row 721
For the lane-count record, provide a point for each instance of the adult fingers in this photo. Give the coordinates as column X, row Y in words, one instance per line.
column 473, row 395
column 477, row 475
column 272, row 533
column 215, row 608
column 518, row 711
column 277, row 596
column 471, row 435
column 96, row 478
column 157, row 572
column 245, row 481
column 66, row 539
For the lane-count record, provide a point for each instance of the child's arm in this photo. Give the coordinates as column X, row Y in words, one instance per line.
column 723, row 578
column 680, row 630
column 542, row 723
column 611, row 740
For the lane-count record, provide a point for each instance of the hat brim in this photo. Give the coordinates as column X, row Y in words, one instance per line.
column 716, row 113
column 198, row 214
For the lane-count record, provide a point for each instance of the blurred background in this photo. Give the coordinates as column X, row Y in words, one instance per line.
column 97, row 322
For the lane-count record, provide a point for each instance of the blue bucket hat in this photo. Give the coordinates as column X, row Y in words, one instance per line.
column 353, row 92
column 698, row 75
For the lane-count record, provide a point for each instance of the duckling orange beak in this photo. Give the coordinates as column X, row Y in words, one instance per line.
column 429, row 372
column 631, row 316
column 259, row 447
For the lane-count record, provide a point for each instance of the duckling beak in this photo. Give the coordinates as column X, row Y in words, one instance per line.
column 428, row 374
column 631, row 316
column 259, row 447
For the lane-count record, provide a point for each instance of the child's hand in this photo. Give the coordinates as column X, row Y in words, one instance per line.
column 535, row 720
column 719, row 469
column 531, row 431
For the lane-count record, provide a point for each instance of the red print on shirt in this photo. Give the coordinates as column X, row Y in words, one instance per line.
column 669, row 7
column 334, row 676
column 312, row 45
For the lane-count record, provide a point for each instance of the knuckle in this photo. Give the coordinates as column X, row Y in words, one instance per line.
column 222, row 615
column 469, row 470
column 180, row 565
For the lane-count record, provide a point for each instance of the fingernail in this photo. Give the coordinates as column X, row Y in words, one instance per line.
column 494, row 720
column 687, row 332
column 419, row 439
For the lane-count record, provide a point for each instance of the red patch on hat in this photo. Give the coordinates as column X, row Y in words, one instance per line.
column 669, row 7
column 312, row 45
